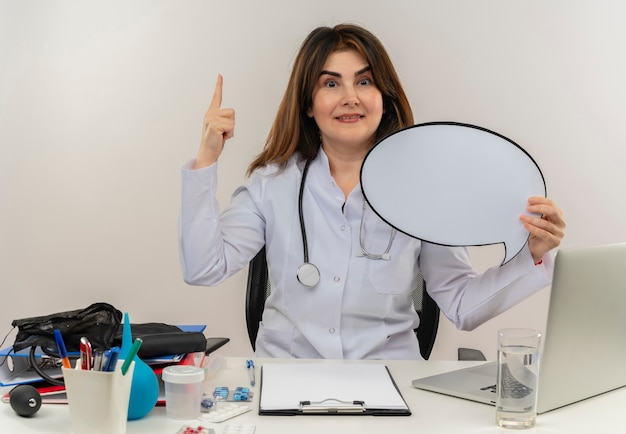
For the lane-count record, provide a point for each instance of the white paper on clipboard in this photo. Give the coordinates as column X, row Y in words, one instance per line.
column 286, row 385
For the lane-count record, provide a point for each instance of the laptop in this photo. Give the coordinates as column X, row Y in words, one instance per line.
column 584, row 348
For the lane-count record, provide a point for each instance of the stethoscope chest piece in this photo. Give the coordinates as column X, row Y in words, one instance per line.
column 308, row 275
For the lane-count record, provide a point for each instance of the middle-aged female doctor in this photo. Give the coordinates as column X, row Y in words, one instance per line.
column 349, row 294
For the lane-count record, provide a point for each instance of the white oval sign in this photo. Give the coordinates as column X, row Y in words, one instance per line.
column 452, row 184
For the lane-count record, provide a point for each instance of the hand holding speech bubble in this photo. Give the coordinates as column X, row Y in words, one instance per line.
column 452, row 184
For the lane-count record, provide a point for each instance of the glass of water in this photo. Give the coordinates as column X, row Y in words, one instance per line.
column 518, row 377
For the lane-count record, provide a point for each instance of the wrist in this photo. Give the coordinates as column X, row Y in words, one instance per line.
column 203, row 160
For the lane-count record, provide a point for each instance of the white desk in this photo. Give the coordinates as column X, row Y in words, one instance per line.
column 432, row 413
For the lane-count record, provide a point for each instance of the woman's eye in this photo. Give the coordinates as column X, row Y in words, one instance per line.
column 331, row 83
column 365, row 81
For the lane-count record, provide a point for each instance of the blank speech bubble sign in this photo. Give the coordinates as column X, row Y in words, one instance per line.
column 452, row 184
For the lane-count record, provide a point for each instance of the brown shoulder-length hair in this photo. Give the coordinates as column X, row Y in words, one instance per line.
column 293, row 131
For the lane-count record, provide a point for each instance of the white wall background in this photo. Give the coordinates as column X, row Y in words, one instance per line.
column 101, row 103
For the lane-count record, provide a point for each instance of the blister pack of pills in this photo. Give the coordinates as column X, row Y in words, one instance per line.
column 238, row 394
column 225, row 411
column 186, row 429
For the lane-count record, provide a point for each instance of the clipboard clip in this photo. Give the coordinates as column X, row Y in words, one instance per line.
column 332, row 406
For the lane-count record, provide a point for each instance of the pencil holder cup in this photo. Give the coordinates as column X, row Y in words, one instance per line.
column 183, row 391
column 98, row 401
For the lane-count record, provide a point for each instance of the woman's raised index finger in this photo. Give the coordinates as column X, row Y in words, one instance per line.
column 216, row 102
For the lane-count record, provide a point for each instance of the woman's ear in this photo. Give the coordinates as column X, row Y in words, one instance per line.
column 309, row 112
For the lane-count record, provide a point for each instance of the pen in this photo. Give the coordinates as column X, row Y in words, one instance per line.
column 86, row 354
column 114, row 354
column 62, row 351
column 250, row 366
column 97, row 359
column 131, row 355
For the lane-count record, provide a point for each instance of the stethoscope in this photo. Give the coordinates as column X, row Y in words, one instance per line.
column 307, row 273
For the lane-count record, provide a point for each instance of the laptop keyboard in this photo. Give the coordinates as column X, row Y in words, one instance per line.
column 514, row 389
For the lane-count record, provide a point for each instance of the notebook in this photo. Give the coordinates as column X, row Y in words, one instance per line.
column 585, row 339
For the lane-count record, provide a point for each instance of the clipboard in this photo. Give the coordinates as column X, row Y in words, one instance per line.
column 330, row 388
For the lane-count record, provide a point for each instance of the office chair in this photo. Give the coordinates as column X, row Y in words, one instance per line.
column 259, row 288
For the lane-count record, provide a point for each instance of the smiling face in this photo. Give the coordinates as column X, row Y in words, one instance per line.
column 347, row 106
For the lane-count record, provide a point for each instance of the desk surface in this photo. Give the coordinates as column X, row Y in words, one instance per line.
column 432, row 412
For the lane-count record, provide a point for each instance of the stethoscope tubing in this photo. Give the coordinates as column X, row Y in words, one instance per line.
column 307, row 273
